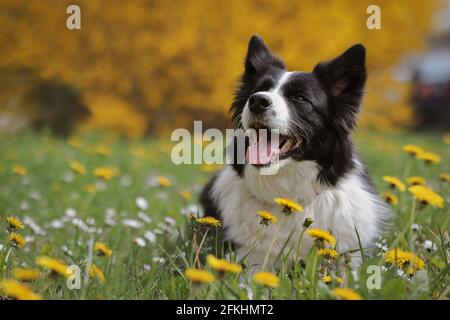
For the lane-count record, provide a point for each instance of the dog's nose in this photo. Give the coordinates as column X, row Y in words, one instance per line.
column 258, row 103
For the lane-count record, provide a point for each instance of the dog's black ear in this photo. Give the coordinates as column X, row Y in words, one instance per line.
column 344, row 78
column 259, row 56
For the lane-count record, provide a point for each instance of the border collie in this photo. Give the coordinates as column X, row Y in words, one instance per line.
column 314, row 113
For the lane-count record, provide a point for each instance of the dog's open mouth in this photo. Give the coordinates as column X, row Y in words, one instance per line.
column 268, row 146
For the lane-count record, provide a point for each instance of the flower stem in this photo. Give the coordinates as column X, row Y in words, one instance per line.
column 197, row 254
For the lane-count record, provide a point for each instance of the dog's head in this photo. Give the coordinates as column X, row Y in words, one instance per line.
column 313, row 111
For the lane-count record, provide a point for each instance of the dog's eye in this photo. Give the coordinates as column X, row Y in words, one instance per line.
column 299, row 98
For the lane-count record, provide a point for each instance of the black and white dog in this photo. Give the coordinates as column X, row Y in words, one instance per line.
column 315, row 113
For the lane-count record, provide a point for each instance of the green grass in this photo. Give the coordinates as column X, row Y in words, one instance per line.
column 49, row 188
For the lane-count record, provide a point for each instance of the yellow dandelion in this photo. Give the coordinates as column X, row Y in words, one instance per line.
column 102, row 150
column 394, row 183
column 209, row 221
column 102, row 249
column 446, row 138
column 23, row 274
column 11, row 156
column 390, row 198
column 429, row 157
column 445, row 177
column 96, row 272
column 19, row 170
column 328, row 253
column 90, row 188
column 186, row 195
column 16, row 290
column 56, row 266
column 163, row 181
column 106, row 173
column 326, row 279
column 14, row 223
column 198, row 276
column 416, row 181
column 266, row 217
column 412, row 149
column 347, row 294
column 288, row 205
column 339, row 280
column 222, row 265
column 267, row 279
column 403, row 259
column 16, row 240
column 208, row 168
column 77, row 167
column 322, row 235
column 74, row 142
column 427, row 196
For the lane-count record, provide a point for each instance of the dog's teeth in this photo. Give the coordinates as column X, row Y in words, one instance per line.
column 286, row 146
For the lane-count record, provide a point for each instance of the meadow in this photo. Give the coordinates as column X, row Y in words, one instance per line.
column 127, row 217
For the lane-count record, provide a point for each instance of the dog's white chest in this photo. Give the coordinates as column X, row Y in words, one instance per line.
column 339, row 210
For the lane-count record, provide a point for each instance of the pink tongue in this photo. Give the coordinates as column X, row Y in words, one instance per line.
column 261, row 152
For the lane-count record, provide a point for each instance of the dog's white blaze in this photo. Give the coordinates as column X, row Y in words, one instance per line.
column 278, row 116
column 338, row 209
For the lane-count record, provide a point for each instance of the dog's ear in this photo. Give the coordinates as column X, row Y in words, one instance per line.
column 259, row 56
column 344, row 78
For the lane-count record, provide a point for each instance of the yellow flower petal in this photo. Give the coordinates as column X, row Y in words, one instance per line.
column 267, row 279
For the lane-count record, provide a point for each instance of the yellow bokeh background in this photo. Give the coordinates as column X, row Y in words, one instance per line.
column 144, row 67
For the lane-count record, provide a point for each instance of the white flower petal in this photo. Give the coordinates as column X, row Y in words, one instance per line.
column 142, row 203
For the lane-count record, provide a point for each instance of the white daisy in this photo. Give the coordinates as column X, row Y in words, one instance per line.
column 142, row 203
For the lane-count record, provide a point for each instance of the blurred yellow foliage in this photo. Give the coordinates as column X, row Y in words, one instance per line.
column 142, row 66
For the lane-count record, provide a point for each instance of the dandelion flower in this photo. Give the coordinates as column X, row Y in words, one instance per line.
column 106, row 173
column 16, row 239
column 412, row 149
column 199, row 276
column 288, row 205
column 445, row 177
column 403, row 259
column 339, row 280
column 347, row 294
column 322, row 235
column 427, row 196
column 16, row 290
column 163, row 181
column 102, row 150
column 19, row 170
column 429, row 157
column 102, row 249
column 14, row 223
column 222, row 265
column 266, row 217
column 267, row 279
column 96, row 272
column 74, row 142
column 390, row 198
column 446, row 138
column 209, row 221
column 328, row 253
column 90, row 188
column 416, row 181
column 208, row 168
column 394, row 183
column 23, row 274
column 54, row 265
column 326, row 279
column 77, row 167
column 186, row 195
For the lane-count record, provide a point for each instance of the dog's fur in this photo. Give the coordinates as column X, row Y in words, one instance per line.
column 323, row 173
